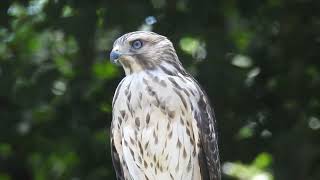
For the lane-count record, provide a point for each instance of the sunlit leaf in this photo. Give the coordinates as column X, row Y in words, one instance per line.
column 266, row 133
column 241, row 61
column 24, row 127
column 59, row 87
column 189, row 44
column 67, row 11
column 251, row 75
column 314, row 123
column 36, row 6
column 245, row 132
column 16, row 10
column 257, row 170
column 263, row 160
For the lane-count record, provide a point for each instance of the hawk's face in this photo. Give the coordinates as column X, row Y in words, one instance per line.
column 141, row 50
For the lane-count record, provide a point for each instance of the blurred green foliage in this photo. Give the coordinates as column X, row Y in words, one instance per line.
column 257, row 60
column 257, row 170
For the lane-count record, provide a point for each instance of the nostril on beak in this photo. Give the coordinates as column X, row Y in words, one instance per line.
column 114, row 55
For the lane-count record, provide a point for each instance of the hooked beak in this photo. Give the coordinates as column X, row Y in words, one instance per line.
column 114, row 56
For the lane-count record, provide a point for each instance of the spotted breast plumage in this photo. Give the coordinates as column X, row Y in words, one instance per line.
column 163, row 126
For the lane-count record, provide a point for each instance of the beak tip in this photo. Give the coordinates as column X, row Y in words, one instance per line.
column 114, row 56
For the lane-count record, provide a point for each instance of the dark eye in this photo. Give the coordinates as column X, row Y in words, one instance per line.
column 137, row 44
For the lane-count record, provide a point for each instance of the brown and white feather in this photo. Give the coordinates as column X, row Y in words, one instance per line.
column 163, row 126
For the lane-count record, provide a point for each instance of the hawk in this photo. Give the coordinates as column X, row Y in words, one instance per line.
column 162, row 126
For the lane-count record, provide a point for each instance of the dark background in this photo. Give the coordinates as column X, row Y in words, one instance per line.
column 259, row 62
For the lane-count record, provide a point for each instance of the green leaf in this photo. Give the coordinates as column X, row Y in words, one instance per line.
column 241, row 61
column 67, row 11
column 263, row 160
column 5, row 150
column 245, row 132
column 105, row 70
column 16, row 10
column 4, row 176
column 189, row 44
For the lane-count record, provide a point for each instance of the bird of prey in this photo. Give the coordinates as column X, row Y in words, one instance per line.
column 162, row 126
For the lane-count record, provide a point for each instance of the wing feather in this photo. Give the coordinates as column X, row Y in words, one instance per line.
column 203, row 115
column 116, row 161
column 208, row 151
column 114, row 154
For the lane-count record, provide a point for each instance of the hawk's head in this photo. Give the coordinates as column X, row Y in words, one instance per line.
column 143, row 50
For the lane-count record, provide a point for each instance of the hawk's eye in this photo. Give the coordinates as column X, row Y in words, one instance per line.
column 137, row 44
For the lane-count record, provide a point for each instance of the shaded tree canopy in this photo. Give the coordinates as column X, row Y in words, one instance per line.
column 257, row 60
